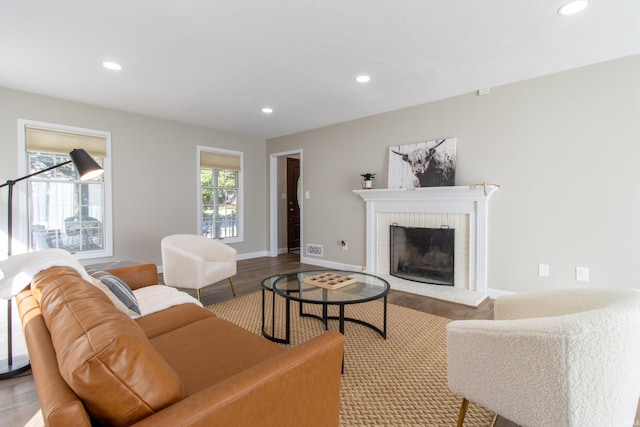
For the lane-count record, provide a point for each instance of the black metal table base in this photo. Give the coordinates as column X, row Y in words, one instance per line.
column 342, row 318
column 271, row 334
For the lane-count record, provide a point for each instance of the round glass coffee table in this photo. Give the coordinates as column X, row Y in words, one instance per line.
column 307, row 288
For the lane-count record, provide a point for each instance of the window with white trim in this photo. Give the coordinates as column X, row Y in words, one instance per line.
column 63, row 211
column 220, row 194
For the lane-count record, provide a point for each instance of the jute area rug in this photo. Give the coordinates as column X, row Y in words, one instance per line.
column 400, row 381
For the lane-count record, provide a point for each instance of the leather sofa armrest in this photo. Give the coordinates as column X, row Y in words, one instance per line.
column 137, row 276
column 299, row 386
column 59, row 405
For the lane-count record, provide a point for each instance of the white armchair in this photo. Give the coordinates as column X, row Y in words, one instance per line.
column 194, row 262
column 557, row 358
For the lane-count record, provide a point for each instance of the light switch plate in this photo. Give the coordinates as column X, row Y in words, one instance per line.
column 582, row 274
column 543, row 270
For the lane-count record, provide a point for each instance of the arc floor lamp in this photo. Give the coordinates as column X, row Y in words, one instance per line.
column 87, row 169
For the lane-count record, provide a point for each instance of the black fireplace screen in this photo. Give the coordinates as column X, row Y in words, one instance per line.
column 422, row 254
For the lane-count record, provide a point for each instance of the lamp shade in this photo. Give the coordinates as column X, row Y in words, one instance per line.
column 85, row 165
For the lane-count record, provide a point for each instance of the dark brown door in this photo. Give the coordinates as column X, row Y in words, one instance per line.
column 293, row 209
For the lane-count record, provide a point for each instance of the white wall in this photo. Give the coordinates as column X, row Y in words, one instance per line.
column 565, row 149
column 154, row 171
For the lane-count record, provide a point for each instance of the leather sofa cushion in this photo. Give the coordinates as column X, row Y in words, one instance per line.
column 198, row 350
column 168, row 320
column 102, row 353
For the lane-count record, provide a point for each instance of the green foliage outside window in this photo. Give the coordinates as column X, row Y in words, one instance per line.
column 219, row 189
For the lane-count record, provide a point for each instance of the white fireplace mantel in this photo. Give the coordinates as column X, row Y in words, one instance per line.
column 471, row 200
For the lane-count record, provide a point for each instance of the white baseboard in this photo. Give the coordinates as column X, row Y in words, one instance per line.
column 251, row 255
column 330, row 264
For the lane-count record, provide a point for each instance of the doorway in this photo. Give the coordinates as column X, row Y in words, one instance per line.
column 286, row 185
column 293, row 204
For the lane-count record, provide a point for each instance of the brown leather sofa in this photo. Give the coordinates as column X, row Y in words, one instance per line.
column 93, row 364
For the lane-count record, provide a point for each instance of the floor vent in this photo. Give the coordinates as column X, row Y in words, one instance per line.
column 314, row 249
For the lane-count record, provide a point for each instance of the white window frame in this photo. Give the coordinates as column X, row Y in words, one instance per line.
column 240, row 196
column 21, row 191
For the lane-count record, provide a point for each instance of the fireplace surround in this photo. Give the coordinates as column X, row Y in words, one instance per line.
column 464, row 208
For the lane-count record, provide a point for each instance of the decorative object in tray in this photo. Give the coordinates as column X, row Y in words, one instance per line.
column 331, row 281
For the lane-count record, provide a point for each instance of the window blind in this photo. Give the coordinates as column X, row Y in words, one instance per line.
column 55, row 141
column 219, row 160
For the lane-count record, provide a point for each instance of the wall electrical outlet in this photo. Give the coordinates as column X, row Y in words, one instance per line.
column 582, row 274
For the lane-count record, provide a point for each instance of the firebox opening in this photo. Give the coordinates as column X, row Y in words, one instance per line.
column 422, row 254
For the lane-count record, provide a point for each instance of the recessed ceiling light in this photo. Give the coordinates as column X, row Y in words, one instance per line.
column 267, row 110
column 573, row 7
column 363, row 79
column 112, row 66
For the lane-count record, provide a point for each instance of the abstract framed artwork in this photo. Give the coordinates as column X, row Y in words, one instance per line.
column 423, row 164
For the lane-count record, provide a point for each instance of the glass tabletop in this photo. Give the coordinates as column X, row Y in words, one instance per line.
column 299, row 287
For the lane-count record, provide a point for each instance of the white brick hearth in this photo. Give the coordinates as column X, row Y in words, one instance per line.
column 462, row 208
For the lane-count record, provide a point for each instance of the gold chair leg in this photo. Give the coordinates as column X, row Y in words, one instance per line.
column 232, row 290
column 463, row 412
column 198, row 294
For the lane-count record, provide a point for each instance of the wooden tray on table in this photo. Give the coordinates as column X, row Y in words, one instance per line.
column 331, row 281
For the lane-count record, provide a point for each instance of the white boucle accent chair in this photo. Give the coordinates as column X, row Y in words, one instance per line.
column 194, row 262
column 556, row 358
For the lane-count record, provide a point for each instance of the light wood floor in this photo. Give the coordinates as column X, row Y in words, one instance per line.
column 19, row 401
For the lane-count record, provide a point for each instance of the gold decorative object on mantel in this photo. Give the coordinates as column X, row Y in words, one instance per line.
column 484, row 185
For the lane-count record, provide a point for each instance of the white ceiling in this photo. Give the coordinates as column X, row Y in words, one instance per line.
column 217, row 63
